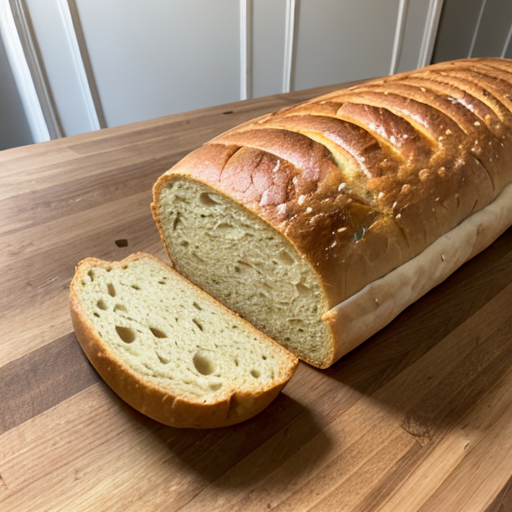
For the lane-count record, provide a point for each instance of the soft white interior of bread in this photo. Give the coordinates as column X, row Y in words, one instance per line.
column 171, row 333
column 247, row 265
column 362, row 315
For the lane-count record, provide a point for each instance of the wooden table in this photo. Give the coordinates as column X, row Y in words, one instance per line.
column 418, row 418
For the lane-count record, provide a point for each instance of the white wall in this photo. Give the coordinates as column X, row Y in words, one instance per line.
column 111, row 62
column 155, row 58
column 474, row 28
column 58, row 61
column 340, row 41
column 14, row 128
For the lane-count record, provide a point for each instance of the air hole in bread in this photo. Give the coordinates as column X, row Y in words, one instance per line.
column 135, row 286
column 203, row 363
column 302, row 290
column 224, row 227
column 101, row 304
column 158, row 333
column 208, row 199
column 236, row 361
column 91, row 274
column 184, row 244
column 242, row 266
column 161, row 282
column 197, row 306
column 111, row 290
column 198, row 257
column 120, row 307
column 215, row 386
column 259, row 265
column 285, row 257
column 255, row 373
column 127, row 334
column 264, row 357
column 96, row 314
column 163, row 358
column 198, row 323
column 177, row 221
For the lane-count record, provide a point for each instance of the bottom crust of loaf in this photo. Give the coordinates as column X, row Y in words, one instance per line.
column 365, row 313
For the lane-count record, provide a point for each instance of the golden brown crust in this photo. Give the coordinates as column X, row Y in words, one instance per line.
column 164, row 404
column 419, row 152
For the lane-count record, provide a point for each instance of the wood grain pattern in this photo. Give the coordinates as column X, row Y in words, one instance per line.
column 417, row 418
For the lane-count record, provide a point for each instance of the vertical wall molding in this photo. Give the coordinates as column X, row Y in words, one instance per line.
column 399, row 36
column 37, row 73
column 290, row 30
column 429, row 35
column 477, row 27
column 507, row 42
column 22, row 75
column 246, row 37
column 84, row 79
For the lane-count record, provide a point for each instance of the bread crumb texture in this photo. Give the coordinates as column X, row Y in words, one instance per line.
column 252, row 269
column 169, row 332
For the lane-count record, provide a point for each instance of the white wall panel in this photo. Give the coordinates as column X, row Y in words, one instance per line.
column 268, row 46
column 340, row 41
column 14, row 127
column 57, row 61
column 111, row 62
column 154, row 58
column 457, row 27
column 493, row 29
column 508, row 50
column 474, row 28
column 415, row 19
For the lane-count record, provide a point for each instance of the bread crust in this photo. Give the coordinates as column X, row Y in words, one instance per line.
column 356, row 319
column 382, row 169
column 164, row 404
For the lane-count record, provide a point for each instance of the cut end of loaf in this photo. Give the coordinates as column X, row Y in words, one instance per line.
column 170, row 350
column 246, row 264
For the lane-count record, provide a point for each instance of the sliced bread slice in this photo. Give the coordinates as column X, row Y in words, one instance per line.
column 169, row 349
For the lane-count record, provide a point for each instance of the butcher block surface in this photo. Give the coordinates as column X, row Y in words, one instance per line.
column 419, row 418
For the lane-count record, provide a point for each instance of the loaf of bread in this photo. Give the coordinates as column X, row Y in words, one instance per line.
column 321, row 222
column 170, row 350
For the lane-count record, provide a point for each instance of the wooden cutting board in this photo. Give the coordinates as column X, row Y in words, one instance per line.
column 418, row 418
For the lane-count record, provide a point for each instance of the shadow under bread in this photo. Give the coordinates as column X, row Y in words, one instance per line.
column 433, row 363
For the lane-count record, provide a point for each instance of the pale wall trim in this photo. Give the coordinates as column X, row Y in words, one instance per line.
column 429, row 35
column 78, row 63
column 38, row 76
column 21, row 73
column 289, row 44
column 399, row 36
column 507, row 42
column 477, row 27
column 246, row 36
